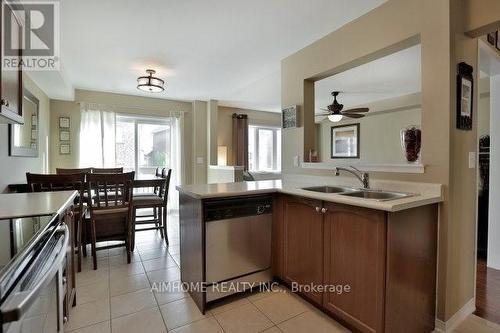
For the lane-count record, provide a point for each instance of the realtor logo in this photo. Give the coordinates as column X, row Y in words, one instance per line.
column 30, row 28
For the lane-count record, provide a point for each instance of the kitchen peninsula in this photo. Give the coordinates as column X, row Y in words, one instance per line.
column 384, row 250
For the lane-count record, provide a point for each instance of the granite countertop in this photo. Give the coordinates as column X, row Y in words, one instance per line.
column 17, row 205
column 424, row 193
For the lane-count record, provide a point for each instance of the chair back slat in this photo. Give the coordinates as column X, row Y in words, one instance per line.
column 107, row 170
column 110, row 190
column 167, row 185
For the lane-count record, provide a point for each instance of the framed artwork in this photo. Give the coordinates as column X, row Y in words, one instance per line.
column 64, row 135
column 465, row 93
column 64, row 122
column 64, row 149
column 345, row 140
column 289, row 117
column 498, row 40
column 492, row 38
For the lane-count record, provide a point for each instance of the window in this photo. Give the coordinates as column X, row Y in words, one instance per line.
column 142, row 144
column 264, row 149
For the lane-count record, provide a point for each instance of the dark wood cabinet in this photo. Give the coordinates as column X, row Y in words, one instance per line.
column 354, row 262
column 303, row 244
column 11, row 86
column 383, row 264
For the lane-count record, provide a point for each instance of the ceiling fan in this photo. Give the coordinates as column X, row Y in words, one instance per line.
column 335, row 112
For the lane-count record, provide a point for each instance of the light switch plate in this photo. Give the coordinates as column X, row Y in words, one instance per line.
column 296, row 161
column 199, row 160
column 472, row 160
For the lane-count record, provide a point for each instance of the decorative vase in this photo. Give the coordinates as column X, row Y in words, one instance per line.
column 411, row 137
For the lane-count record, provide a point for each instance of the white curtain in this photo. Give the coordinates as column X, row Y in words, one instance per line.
column 175, row 159
column 97, row 136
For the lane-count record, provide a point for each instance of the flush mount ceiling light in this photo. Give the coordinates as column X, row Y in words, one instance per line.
column 150, row 83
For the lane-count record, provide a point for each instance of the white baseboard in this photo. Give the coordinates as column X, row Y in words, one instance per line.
column 456, row 319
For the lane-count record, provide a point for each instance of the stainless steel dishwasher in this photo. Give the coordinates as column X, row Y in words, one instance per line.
column 237, row 244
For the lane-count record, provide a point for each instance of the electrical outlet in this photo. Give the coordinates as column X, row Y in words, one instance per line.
column 199, row 160
column 472, row 160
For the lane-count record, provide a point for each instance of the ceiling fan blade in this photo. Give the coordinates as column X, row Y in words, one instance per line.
column 353, row 115
column 356, row 110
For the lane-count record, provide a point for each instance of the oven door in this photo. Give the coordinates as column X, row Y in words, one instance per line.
column 36, row 302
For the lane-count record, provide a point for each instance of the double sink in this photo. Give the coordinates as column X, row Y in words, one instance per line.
column 359, row 193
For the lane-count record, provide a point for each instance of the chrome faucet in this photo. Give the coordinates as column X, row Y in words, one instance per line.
column 363, row 177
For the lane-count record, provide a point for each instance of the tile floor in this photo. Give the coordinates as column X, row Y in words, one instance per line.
column 118, row 297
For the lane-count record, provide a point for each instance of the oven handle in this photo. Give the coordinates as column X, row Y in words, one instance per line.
column 22, row 301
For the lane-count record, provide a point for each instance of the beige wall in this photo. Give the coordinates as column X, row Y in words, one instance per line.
column 225, row 125
column 379, row 131
column 13, row 169
column 126, row 104
column 440, row 27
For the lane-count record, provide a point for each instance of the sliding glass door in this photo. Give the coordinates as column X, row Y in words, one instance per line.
column 143, row 144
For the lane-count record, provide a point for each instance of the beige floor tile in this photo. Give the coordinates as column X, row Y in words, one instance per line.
column 209, row 325
column 153, row 254
column 475, row 324
column 132, row 302
column 180, row 313
column 133, row 268
column 243, row 319
column 312, row 322
column 128, row 284
column 164, row 275
column 88, row 265
column 150, row 246
column 177, row 258
column 103, row 327
column 281, row 306
column 87, row 314
column 228, row 304
column 92, row 276
column 159, row 263
column 274, row 329
column 174, row 249
column 122, row 259
column 147, row 321
column 260, row 294
column 92, row 292
column 169, row 292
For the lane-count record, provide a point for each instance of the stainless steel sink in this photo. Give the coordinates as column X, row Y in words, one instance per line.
column 328, row 189
column 377, row 195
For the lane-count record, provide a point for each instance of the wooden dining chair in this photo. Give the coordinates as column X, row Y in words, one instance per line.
column 110, row 210
column 156, row 201
column 65, row 171
column 107, row 170
column 158, row 172
column 66, row 182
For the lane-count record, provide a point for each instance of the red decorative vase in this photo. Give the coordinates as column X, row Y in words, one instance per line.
column 411, row 137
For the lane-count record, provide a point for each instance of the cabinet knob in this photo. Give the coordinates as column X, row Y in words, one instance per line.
column 318, row 209
column 323, row 210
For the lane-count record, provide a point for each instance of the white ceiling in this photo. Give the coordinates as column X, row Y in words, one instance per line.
column 394, row 75
column 228, row 50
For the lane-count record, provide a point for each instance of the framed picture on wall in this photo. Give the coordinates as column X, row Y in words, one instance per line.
column 498, row 41
column 64, row 136
column 64, row 149
column 345, row 141
column 492, row 38
column 289, row 117
column 465, row 93
column 64, row 122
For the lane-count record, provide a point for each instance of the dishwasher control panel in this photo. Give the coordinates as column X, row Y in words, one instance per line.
column 237, row 207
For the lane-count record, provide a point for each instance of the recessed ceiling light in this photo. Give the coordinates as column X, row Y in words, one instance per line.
column 150, row 83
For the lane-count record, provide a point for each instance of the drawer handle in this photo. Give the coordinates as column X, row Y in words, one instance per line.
column 323, row 210
column 318, row 209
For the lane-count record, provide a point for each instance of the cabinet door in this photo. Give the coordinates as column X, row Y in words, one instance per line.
column 355, row 241
column 11, row 80
column 303, row 244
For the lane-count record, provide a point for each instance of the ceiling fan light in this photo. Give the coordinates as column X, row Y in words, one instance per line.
column 334, row 118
